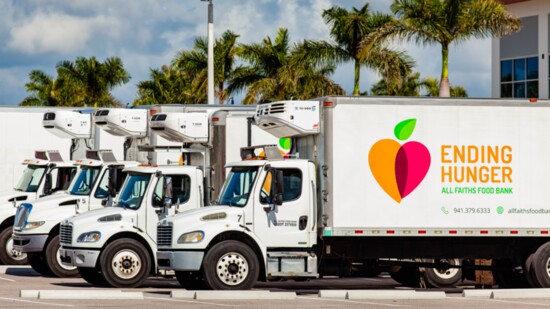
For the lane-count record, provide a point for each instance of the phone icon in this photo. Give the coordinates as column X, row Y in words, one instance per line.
column 444, row 210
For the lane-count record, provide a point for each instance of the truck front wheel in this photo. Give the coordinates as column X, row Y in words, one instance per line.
column 190, row 280
column 230, row 265
column 93, row 276
column 125, row 263
column 53, row 259
column 540, row 264
column 7, row 255
column 38, row 264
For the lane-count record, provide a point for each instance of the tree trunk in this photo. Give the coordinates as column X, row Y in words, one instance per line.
column 356, row 78
column 444, row 85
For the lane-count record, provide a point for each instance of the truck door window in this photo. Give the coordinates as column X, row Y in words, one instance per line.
column 133, row 190
column 237, row 186
column 181, row 187
column 30, row 180
column 103, row 188
column 85, row 180
column 63, row 179
column 292, row 183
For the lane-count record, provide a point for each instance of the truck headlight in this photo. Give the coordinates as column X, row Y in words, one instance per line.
column 89, row 237
column 34, row 224
column 191, row 237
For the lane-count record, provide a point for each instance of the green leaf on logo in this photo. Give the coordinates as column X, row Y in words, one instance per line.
column 285, row 143
column 404, row 129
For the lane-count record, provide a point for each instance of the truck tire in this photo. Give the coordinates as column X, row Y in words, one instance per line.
column 443, row 278
column 511, row 278
column 7, row 255
column 38, row 264
column 191, row 280
column 529, row 272
column 125, row 263
column 53, row 259
column 407, row 276
column 541, row 265
column 230, row 265
column 93, row 276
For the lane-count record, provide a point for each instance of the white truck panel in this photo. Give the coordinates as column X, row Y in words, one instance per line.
column 21, row 133
column 511, row 192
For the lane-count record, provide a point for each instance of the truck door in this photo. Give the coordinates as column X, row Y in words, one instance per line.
column 285, row 225
column 181, row 197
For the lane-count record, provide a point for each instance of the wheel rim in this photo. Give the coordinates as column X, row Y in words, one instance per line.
column 232, row 268
column 58, row 259
column 548, row 267
column 126, row 264
column 13, row 254
column 449, row 273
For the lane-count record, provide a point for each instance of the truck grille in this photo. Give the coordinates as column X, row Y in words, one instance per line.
column 66, row 234
column 21, row 216
column 164, row 235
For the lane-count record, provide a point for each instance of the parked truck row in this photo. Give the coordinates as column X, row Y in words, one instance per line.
column 336, row 186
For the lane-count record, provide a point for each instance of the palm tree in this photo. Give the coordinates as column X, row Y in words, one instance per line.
column 275, row 74
column 410, row 86
column 49, row 91
column 348, row 29
column 95, row 78
column 432, row 87
column 167, row 86
column 443, row 22
column 195, row 62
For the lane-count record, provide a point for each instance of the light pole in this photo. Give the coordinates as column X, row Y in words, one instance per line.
column 210, row 84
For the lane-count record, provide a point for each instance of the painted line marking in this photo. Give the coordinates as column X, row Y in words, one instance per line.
column 497, row 300
column 351, row 301
column 35, row 302
column 189, row 301
column 6, row 279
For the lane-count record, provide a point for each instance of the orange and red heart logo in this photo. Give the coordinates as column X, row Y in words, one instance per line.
column 397, row 168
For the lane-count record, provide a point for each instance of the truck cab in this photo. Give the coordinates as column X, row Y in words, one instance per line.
column 36, row 225
column 265, row 219
column 44, row 175
column 112, row 245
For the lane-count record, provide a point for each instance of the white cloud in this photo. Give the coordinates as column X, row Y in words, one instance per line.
column 55, row 32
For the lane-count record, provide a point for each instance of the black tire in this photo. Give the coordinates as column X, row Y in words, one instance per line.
column 7, row 256
column 230, row 265
column 54, row 261
column 39, row 264
column 513, row 278
column 407, row 276
column 93, row 276
column 540, row 264
column 443, row 278
column 191, row 280
column 529, row 272
column 125, row 263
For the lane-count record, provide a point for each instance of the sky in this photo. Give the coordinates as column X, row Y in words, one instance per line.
column 146, row 34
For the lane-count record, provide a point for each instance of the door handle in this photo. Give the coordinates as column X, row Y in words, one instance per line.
column 302, row 223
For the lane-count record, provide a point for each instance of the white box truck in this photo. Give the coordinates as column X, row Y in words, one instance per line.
column 117, row 246
column 46, row 174
column 389, row 179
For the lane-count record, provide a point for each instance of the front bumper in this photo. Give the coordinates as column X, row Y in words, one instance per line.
column 180, row 260
column 79, row 257
column 29, row 243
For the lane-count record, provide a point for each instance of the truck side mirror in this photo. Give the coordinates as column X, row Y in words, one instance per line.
column 47, row 184
column 276, row 189
column 167, row 191
column 112, row 186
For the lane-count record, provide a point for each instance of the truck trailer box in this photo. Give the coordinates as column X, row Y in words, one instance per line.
column 434, row 167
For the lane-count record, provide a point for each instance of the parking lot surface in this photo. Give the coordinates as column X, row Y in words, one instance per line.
column 379, row 292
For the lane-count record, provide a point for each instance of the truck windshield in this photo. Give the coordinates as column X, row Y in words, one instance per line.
column 84, row 181
column 30, row 180
column 237, row 186
column 133, row 190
